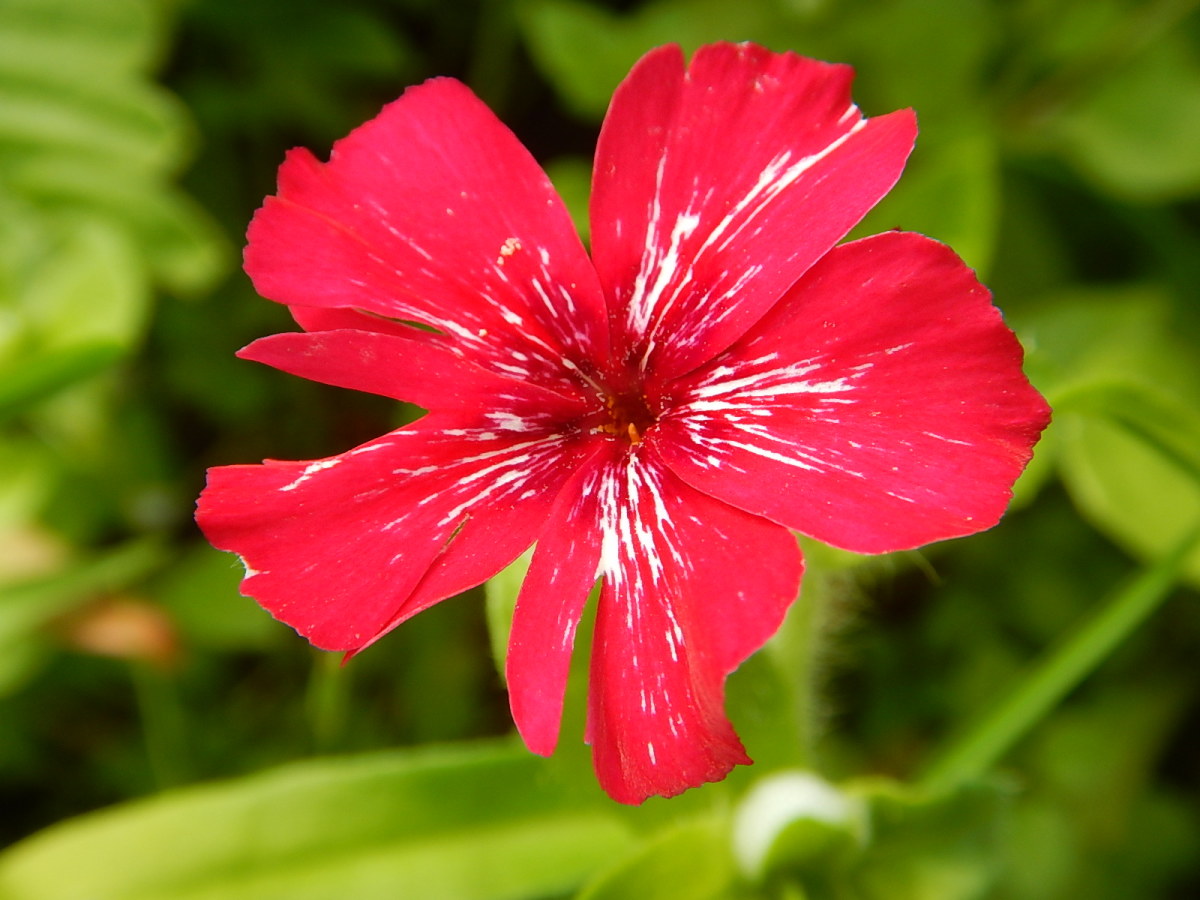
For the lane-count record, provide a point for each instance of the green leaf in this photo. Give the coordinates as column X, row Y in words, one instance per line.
column 83, row 130
column 85, row 39
column 920, row 848
column 27, row 382
column 691, row 860
column 950, row 191
column 92, row 266
column 1126, row 435
column 175, row 239
column 200, row 591
column 1085, row 335
column 29, row 474
column 572, row 178
column 126, row 124
column 501, row 592
column 1060, row 34
column 1139, row 495
column 478, row 823
column 27, row 606
column 1137, row 132
column 1160, row 421
column 586, row 51
column 929, row 55
column 20, row 662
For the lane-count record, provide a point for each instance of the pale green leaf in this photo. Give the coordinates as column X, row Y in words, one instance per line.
column 26, row 382
column 89, row 289
column 1137, row 133
column 1129, row 488
column 1126, row 435
column 691, row 860
column 501, row 592
column 28, row 476
column 175, row 238
column 130, row 124
column 91, row 39
column 481, row 823
column 83, row 130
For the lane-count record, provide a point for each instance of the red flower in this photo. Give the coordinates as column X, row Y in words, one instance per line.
column 657, row 416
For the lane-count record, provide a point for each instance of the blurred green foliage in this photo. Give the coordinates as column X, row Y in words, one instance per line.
column 1059, row 153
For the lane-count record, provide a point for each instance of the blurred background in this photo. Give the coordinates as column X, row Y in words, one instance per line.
column 1059, row 154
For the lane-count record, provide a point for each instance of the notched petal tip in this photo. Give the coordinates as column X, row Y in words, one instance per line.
column 633, row 784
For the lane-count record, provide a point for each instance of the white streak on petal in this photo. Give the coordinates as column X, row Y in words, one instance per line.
column 250, row 570
column 310, row 470
column 506, row 421
column 777, row 176
column 645, row 302
column 948, row 440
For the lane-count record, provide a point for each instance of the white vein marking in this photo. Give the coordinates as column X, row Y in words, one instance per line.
column 948, row 440
column 650, row 301
column 509, row 471
column 507, row 421
column 779, row 174
column 310, row 470
column 250, row 570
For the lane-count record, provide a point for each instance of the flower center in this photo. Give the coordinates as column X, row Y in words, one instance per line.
column 628, row 417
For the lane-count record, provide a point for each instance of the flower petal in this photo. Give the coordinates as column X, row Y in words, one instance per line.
column 344, row 548
column 549, row 606
column 716, row 188
column 879, row 406
column 434, row 212
column 677, row 614
column 327, row 318
column 413, row 368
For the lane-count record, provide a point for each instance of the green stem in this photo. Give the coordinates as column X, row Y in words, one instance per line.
column 797, row 651
column 1065, row 666
column 162, row 724
column 327, row 701
column 806, row 623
